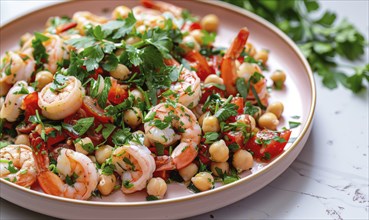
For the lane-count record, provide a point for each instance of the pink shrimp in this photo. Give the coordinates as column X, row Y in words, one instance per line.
column 181, row 119
column 77, row 175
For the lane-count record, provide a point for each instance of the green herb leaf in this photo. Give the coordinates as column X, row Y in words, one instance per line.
column 293, row 124
column 83, row 125
column 211, row 137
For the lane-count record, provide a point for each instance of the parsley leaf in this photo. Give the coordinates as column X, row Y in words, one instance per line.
column 211, row 137
column 83, row 125
column 39, row 52
column 119, row 28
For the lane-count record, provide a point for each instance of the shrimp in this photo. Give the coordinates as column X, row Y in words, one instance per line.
column 228, row 66
column 148, row 18
column 135, row 165
column 13, row 101
column 163, row 7
column 187, row 87
column 177, row 118
column 55, row 49
column 16, row 67
column 18, row 165
column 246, row 71
column 77, row 175
column 85, row 18
column 59, row 104
column 230, row 73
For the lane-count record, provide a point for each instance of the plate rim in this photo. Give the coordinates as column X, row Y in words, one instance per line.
column 222, row 5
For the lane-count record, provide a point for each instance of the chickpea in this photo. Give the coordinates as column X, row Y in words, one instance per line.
column 242, row 160
column 133, row 117
column 250, row 49
column 210, row 124
column 121, row 12
column 4, row 88
column 262, row 55
column 22, row 139
column 223, row 166
column 189, row 43
column 276, row 108
column 92, row 158
column 247, row 120
column 121, row 72
column 106, row 184
column 238, row 64
column 188, row 172
column 198, row 35
column 43, row 78
column 210, row 23
column 219, row 152
column 81, row 144
column 141, row 134
column 157, row 187
column 202, row 117
column 278, row 77
column 247, row 69
column 269, row 121
column 103, row 153
column 137, row 94
column 203, row 181
column 213, row 78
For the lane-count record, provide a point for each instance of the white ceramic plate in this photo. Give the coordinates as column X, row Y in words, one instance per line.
column 298, row 98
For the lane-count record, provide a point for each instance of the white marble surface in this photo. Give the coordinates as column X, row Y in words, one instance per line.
column 329, row 179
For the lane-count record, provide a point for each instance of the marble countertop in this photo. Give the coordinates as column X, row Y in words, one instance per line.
column 328, row 180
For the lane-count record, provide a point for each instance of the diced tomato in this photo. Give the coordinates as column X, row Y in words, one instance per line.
column 234, row 137
column 164, row 174
column 91, row 108
column 97, row 138
column 240, row 104
column 203, row 68
column 26, row 128
column 30, row 105
column 153, row 150
column 276, row 141
column 54, row 140
column 209, row 89
column 204, row 154
column 195, row 26
column 241, row 59
column 117, row 94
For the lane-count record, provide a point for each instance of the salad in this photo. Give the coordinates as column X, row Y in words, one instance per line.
column 134, row 102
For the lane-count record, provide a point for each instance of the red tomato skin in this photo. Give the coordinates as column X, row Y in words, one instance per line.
column 274, row 148
column 207, row 90
column 164, row 174
column 203, row 68
column 234, row 137
column 240, row 104
column 30, row 104
column 92, row 110
column 195, row 26
column 117, row 94
column 204, row 155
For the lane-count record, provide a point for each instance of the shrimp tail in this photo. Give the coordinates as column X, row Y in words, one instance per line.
column 228, row 66
column 39, row 152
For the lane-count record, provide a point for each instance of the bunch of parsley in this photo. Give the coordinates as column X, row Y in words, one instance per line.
column 320, row 39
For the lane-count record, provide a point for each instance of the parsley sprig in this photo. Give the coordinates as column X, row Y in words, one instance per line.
column 321, row 39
